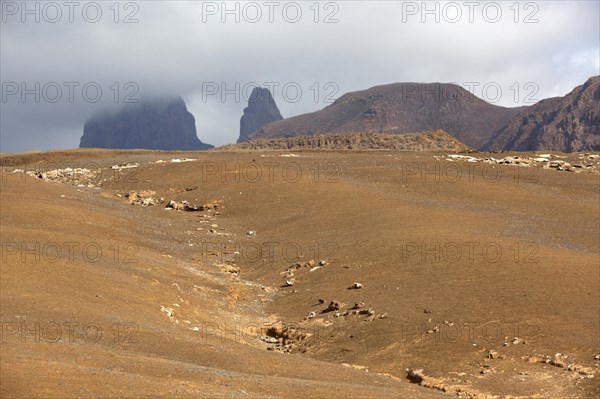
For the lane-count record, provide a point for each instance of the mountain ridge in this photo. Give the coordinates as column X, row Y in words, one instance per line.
column 400, row 108
column 570, row 123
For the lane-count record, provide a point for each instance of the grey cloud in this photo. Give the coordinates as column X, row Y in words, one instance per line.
column 171, row 50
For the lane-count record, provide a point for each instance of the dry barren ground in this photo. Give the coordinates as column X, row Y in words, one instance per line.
column 305, row 274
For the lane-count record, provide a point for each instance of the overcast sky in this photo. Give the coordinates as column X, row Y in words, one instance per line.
column 315, row 51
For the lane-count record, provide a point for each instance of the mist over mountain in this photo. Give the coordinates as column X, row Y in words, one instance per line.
column 152, row 124
column 570, row 123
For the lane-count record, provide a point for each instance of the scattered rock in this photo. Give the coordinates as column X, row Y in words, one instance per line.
column 333, row 306
column 284, row 338
column 231, row 269
column 186, row 207
column 559, row 165
column 144, row 198
column 355, row 286
column 167, row 311
column 125, row 166
column 269, row 340
column 369, row 312
column 415, row 375
column 81, row 177
column 589, row 163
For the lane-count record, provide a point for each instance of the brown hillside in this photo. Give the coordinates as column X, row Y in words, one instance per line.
column 400, row 108
column 426, row 141
column 569, row 124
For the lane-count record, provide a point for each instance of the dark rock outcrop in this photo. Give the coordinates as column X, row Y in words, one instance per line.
column 163, row 124
column 261, row 110
column 400, row 108
column 424, row 141
column 568, row 124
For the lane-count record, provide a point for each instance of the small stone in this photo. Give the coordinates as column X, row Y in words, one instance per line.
column 333, row 306
column 369, row 312
column 415, row 375
column 269, row 340
column 356, row 286
column 289, row 283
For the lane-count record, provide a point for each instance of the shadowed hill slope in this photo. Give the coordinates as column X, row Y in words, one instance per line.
column 569, row 124
column 400, row 108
